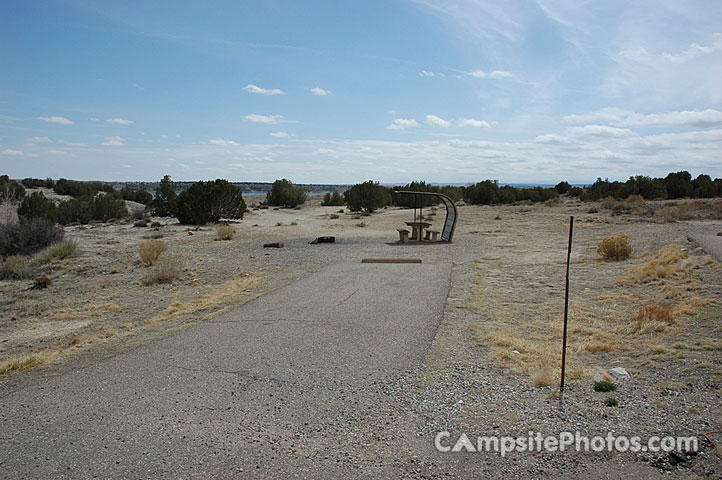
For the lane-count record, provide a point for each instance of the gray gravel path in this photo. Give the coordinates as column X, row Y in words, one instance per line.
column 705, row 235
column 289, row 385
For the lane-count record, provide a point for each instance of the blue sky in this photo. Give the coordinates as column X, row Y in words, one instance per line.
column 344, row 91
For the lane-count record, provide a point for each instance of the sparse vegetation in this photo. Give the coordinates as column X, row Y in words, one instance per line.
column 544, row 377
column 604, row 386
column 28, row 236
column 611, row 402
column 368, row 196
column 151, row 250
column 615, row 248
column 224, row 232
column 36, row 205
column 56, row 252
column 332, row 200
column 10, row 190
column 652, row 318
column 84, row 209
column 163, row 205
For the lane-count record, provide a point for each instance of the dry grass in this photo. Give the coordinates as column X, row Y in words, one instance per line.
column 224, row 232
column 15, row 267
column 544, row 377
column 623, row 315
column 150, row 251
column 166, row 269
column 22, row 362
column 665, row 263
column 615, row 248
column 229, row 292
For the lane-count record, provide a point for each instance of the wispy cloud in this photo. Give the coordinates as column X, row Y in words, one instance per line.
column 223, row 143
column 494, row 74
column 263, row 91
column 57, row 120
column 38, row 140
column 426, row 73
column 267, row 119
column 114, row 141
column 624, row 118
column 120, row 121
column 402, row 124
column 10, row 152
column 436, row 121
column 692, row 52
column 280, row 134
column 320, row 91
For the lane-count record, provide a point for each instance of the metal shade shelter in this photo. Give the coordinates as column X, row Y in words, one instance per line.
column 447, row 233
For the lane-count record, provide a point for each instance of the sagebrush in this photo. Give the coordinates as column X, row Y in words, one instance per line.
column 615, row 248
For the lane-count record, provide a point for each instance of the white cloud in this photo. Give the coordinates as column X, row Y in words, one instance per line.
column 402, row 124
column 38, row 140
column 552, row 138
column 692, row 52
column 58, row 120
column 320, row 91
column 280, row 134
column 12, row 153
column 426, row 73
column 263, row 91
column 267, row 119
column 478, row 74
column 472, row 122
column 120, row 121
column 437, row 121
column 72, row 144
column 114, row 141
column 624, row 118
column 223, row 143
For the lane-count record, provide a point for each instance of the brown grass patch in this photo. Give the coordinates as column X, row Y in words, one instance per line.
column 23, row 362
column 652, row 318
column 545, row 376
column 150, row 251
column 664, row 263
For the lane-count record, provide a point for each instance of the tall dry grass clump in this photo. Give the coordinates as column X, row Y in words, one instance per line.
column 15, row 267
column 224, row 232
column 615, row 248
column 151, row 250
column 166, row 269
column 652, row 318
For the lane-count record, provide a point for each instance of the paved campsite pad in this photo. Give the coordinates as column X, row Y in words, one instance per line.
column 288, row 384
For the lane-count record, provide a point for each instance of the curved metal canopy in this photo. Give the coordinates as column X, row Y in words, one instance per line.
column 451, row 212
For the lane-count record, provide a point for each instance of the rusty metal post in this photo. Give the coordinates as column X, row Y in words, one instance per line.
column 566, row 305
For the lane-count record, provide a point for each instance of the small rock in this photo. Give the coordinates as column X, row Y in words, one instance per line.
column 619, row 373
column 41, row 282
column 516, row 352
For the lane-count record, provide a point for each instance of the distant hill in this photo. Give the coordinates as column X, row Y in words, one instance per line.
column 246, row 187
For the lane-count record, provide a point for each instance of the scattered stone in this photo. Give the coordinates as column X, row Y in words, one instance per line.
column 41, row 282
column 273, row 245
column 619, row 373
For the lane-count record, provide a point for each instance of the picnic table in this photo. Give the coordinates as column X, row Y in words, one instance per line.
column 417, row 229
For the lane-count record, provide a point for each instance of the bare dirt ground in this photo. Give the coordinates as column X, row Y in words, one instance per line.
column 493, row 366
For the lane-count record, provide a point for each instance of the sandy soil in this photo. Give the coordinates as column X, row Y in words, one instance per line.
column 499, row 335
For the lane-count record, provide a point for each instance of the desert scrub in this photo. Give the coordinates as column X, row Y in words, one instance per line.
column 15, row 267
column 544, row 377
column 604, row 386
column 166, row 269
column 611, row 402
column 55, row 252
column 224, row 232
column 615, row 248
column 151, row 250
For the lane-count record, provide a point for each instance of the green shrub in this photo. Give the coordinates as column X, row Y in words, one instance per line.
column 37, row 206
column 55, row 252
column 163, row 205
column 28, row 236
column 207, row 202
column 10, row 190
column 138, row 196
column 84, row 209
column 611, row 402
column 416, row 201
column 368, row 196
column 37, row 183
column 604, row 386
column 334, row 200
column 107, row 206
column 285, row 194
